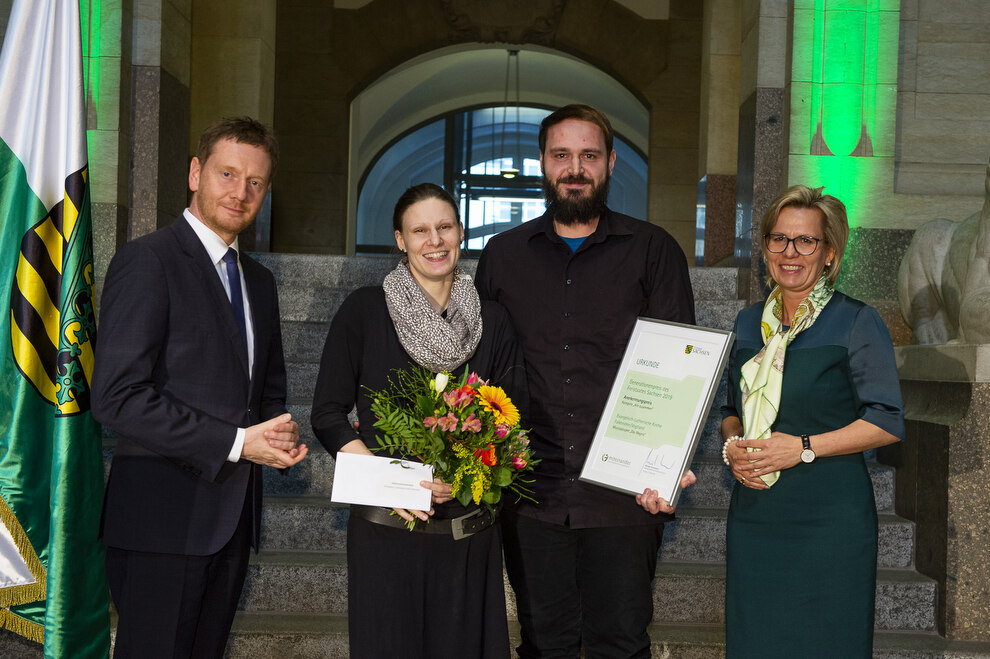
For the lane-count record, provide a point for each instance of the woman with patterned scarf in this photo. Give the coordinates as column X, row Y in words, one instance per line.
column 435, row 591
column 812, row 384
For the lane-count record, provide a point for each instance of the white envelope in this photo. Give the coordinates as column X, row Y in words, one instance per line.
column 373, row 480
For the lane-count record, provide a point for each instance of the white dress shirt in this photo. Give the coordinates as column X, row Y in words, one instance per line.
column 217, row 248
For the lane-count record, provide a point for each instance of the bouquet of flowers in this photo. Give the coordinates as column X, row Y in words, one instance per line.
column 468, row 431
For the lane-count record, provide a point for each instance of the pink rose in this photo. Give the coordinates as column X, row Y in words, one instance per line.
column 501, row 430
column 518, row 463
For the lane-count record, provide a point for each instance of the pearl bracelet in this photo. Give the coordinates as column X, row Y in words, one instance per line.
column 725, row 458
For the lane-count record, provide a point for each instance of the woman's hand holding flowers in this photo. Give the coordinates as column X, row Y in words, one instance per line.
column 441, row 490
column 441, row 494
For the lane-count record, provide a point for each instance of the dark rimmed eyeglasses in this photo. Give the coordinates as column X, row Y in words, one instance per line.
column 777, row 243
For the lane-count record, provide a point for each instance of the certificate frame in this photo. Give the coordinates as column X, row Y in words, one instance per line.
column 656, row 410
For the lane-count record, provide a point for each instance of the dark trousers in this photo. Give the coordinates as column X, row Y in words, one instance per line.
column 574, row 587
column 173, row 606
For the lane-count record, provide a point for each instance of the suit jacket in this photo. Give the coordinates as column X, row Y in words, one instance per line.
column 171, row 379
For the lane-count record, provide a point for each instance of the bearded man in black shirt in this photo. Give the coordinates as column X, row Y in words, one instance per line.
column 582, row 559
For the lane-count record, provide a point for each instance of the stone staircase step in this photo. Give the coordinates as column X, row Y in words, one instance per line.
column 302, row 341
column 316, row 582
column 288, row 636
column 324, row 636
column 301, row 381
column 695, row 593
column 14, row 646
column 698, row 536
column 304, row 523
column 326, row 271
column 717, row 314
column 314, row 523
column 296, row 581
column 309, row 636
column 312, row 476
column 916, row 645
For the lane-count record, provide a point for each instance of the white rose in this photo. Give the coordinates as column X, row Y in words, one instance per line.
column 440, row 383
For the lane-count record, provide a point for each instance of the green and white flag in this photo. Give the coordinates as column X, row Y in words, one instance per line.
column 52, row 584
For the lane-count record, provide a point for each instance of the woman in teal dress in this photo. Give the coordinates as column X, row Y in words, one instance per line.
column 812, row 384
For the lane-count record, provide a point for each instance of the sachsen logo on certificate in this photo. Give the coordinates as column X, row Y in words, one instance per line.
column 657, row 407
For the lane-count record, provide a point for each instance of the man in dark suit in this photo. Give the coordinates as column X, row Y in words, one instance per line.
column 189, row 373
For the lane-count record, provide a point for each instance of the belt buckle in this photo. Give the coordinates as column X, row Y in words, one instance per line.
column 457, row 525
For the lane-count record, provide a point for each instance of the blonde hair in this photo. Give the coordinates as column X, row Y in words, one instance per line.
column 835, row 223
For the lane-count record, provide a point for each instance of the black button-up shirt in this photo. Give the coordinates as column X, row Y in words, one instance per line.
column 573, row 314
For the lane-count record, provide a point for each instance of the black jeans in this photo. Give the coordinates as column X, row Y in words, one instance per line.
column 574, row 587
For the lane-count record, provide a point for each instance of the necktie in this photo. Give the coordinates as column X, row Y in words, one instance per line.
column 236, row 297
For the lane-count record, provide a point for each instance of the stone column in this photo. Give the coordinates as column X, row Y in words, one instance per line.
column 233, row 74
column 674, row 120
column 317, row 69
column 719, row 126
column 763, row 90
column 943, row 478
column 160, row 69
column 107, row 72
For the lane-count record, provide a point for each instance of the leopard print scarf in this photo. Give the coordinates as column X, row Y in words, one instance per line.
column 438, row 342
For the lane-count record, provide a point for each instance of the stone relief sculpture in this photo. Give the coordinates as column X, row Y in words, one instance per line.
column 944, row 280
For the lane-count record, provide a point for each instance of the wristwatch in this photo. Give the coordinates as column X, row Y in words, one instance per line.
column 807, row 455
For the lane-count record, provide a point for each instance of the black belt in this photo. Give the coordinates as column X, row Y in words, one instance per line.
column 458, row 527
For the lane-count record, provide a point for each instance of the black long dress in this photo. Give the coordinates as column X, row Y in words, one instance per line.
column 412, row 594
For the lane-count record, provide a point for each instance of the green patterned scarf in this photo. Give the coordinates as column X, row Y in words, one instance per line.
column 762, row 378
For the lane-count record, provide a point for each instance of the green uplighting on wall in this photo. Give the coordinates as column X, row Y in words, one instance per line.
column 89, row 17
column 844, row 96
column 90, row 20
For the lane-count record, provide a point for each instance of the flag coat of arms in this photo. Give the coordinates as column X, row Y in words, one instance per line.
column 52, row 584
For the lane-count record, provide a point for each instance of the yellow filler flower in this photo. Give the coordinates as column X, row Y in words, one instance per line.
column 495, row 401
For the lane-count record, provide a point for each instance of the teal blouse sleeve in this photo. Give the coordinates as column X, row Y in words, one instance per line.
column 874, row 372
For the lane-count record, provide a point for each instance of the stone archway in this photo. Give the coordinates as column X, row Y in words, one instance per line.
column 326, row 56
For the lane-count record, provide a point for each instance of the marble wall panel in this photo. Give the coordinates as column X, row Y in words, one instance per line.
column 159, row 188
column 869, row 273
column 952, row 11
column 176, row 42
column 720, row 219
column 949, row 67
column 772, row 69
column 745, row 173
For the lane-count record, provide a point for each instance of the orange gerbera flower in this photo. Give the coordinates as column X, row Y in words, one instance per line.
column 495, row 401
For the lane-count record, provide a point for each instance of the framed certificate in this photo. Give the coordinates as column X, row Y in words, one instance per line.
column 657, row 408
